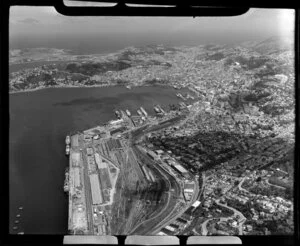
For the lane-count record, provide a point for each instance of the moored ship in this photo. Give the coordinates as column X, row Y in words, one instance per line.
column 66, row 183
column 144, row 111
column 139, row 112
column 67, row 150
column 156, row 109
column 128, row 112
column 68, row 140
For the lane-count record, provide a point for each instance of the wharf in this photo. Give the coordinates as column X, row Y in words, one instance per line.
column 107, row 179
column 92, row 179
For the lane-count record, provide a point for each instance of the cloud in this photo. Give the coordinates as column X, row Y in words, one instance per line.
column 29, row 21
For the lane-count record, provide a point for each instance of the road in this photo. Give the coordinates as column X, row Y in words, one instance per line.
column 277, row 186
column 242, row 218
column 236, row 212
column 240, row 185
column 204, row 228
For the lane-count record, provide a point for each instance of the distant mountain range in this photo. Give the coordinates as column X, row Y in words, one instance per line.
column 275, row 44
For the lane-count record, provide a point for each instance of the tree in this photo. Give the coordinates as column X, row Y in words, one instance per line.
column 218, row 191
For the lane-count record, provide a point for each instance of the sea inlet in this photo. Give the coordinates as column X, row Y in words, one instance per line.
column 39, row 123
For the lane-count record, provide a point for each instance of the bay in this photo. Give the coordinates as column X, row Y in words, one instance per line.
column 39, row 122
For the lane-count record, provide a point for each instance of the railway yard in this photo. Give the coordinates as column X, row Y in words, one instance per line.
column 118, row 187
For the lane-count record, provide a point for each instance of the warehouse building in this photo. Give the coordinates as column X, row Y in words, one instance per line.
column 176, row 227
column 118, row 130
column 166, row 231
column 100, row 163
column 180, row 169
column 74, row 141
column 196, row 204
column 189, row 187
column 152, row 155
column 180, row 220
column 75, row 159
column 96, row 189
column 90, row 151
column 170, row 228
column 77, row 177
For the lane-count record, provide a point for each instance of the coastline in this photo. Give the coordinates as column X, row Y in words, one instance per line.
column 67, row 86
column 87, row 86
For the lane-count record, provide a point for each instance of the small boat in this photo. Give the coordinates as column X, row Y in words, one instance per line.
column 160, row 108
column 128, row 87
column 21, row 208
column 128, row 112
column 20, row 233
column 66, row 182
column 68, row 140
column 15, row 228
column 144, row 111
column 156, row 109
column 17, row 222
column 67, row 150
column 66, row 188
column 139, row 112
column 18, row 215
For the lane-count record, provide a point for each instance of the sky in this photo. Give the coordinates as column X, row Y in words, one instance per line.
column 32, row 27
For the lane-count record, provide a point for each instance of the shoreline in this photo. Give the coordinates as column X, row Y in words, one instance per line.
column 88, row 86
column 68, row 86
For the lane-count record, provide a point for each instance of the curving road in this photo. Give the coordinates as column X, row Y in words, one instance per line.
column 240, row 185
column 204, row 228
column 242, row 218
column 277, row 186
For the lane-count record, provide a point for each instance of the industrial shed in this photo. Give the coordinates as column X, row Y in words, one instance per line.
column 99, row 161
column 96, row 189
column 180, row 169
column 77, row 177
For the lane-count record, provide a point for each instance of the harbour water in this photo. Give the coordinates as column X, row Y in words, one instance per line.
column 39, row 123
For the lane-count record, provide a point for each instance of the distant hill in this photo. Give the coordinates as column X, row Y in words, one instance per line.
column 271, row 45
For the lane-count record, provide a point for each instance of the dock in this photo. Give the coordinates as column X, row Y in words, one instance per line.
column 91, row 182
column 105, row 169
